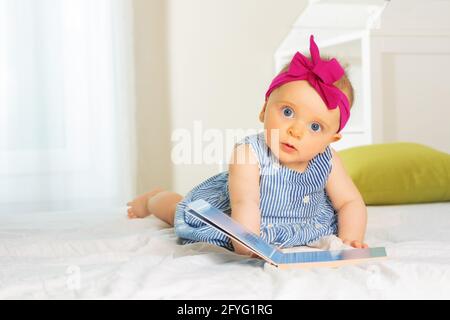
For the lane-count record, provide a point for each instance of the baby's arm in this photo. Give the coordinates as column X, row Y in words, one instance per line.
column 349, row 204
column 244, row 192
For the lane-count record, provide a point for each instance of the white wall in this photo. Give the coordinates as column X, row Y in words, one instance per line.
column 416, row 100
column 152, row 95
column 220, row 65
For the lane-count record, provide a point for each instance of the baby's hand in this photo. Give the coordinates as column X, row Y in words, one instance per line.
column 356, row 244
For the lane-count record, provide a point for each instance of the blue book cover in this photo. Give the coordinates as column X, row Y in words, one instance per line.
column 216, row 218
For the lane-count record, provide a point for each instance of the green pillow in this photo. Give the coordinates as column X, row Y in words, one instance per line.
column 398, row 173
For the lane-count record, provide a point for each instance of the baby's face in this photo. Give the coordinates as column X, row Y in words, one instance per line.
column 303, row 120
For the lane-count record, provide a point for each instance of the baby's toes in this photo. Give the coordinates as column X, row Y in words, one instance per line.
column 131, row 214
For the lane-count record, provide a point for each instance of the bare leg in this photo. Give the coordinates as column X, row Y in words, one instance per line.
column 158, row 202
column 138, row 206
column 163, row 205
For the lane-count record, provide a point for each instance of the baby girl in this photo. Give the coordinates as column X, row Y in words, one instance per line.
column 285, row 184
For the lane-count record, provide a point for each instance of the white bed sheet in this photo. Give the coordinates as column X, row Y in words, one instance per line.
column 100, row 254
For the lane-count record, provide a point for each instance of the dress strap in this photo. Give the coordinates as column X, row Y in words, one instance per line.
column 259, row 147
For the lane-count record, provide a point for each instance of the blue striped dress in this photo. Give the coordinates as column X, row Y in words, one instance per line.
column 295, row 209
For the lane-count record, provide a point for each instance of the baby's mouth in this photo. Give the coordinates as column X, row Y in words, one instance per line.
column 289, row 146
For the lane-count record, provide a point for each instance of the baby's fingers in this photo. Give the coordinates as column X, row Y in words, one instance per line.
column 359, row 244
column 355, row 244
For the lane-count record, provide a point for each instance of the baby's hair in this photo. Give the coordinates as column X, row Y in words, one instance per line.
column 343, row 83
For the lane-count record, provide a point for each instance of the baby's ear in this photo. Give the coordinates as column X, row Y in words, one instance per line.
column 262, row 113
column 336, row 137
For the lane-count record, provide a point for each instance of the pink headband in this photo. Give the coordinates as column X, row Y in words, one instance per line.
column 321, row 75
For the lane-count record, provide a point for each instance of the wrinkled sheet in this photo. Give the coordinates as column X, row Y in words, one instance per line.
column 100, row 254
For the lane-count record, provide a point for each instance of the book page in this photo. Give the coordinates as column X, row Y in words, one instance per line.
column 295, row 257
column 216, row 218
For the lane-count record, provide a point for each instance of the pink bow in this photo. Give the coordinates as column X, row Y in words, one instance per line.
column 321, row 75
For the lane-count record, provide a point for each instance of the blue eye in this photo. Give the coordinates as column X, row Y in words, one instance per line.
column 288, row 112
column 315, row 127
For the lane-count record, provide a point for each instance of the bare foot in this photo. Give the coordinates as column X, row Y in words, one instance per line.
column 138, row 206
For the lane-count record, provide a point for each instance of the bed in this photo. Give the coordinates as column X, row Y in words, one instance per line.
column 100, row 254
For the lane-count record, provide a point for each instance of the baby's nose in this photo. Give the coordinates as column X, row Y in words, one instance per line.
column 295, row 131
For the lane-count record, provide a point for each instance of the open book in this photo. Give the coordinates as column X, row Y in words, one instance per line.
column 272, row 254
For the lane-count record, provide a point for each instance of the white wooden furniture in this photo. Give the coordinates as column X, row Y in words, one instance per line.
column 399, row 63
